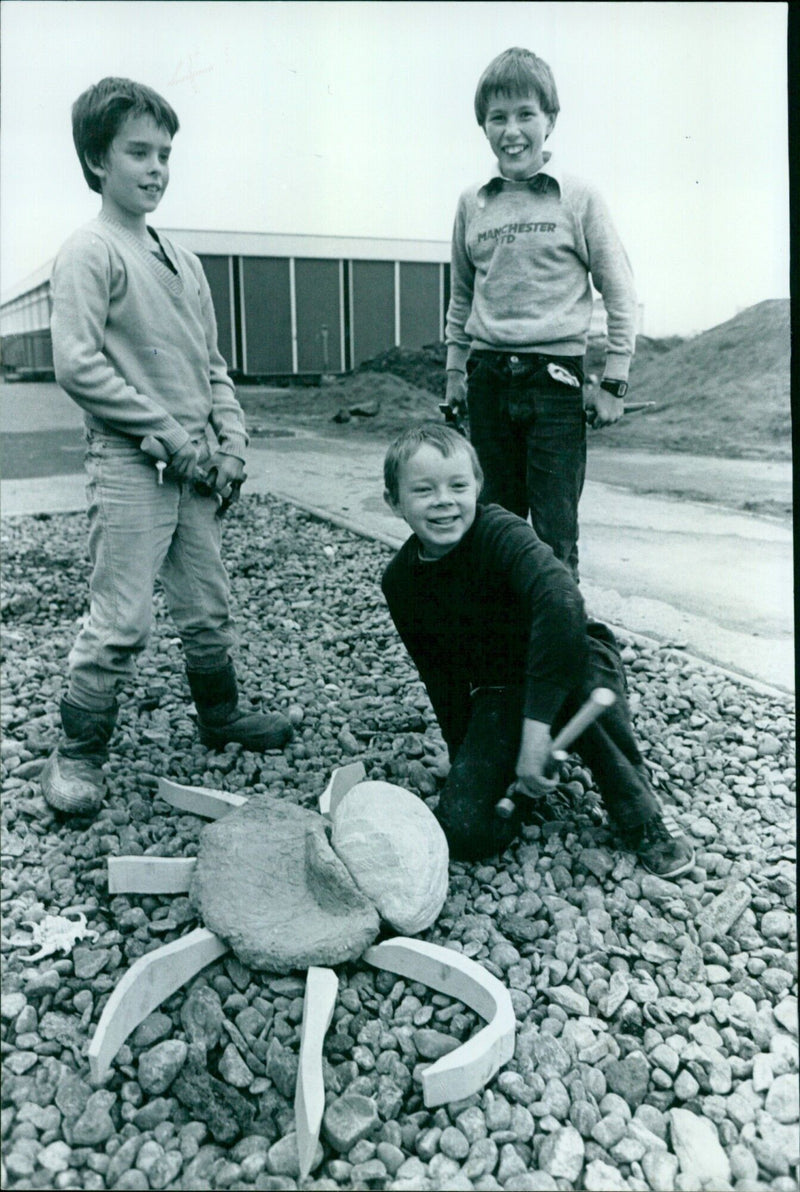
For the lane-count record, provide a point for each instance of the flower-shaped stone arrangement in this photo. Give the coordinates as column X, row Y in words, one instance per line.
column 286, row 888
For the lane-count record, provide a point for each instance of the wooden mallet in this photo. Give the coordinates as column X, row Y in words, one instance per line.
column 598, row 702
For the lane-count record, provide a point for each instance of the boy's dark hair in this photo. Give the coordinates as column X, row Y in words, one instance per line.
column 516, row 72
column 100, row 110
column 444, row 438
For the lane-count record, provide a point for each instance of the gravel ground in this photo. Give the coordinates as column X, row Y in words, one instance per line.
column 657, row 1021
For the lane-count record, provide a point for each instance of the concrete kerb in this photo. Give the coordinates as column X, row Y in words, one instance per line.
column 642, row 639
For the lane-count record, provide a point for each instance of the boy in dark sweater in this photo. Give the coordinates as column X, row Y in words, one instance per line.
column 525, row 246
column 496, row 627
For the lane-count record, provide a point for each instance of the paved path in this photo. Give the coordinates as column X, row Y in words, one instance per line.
column 716, row 581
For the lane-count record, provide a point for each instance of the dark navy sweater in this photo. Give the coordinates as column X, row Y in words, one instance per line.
column 497, row 610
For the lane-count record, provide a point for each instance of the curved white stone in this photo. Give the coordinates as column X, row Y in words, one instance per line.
column 322, row 985
column 199, row 800
column 468, row 1068
column 150, row 875
column 342, row 779
column 145, row 985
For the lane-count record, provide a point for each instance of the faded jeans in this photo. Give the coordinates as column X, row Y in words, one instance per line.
column 527, row 425
column 138, row 530
column 484, row 762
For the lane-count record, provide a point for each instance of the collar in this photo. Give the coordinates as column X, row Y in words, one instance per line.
column 538, row 183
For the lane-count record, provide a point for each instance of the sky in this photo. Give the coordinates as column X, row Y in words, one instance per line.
column 356, row 119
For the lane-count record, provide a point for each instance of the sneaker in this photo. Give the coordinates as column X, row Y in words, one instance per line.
column 72, row 784
column 659, row 851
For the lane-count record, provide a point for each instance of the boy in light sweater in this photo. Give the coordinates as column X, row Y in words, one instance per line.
column 525, row 246
column 135, row 345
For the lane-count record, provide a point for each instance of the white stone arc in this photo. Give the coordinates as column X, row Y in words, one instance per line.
column 322, row 985
column 199, row 800
column 468, row 1068
column 146, row 984
column 343, row 779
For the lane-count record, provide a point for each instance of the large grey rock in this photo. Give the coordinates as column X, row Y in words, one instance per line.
column 268, row 883
column 396, row 851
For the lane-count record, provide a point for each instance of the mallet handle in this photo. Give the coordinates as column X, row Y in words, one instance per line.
column 598, row 702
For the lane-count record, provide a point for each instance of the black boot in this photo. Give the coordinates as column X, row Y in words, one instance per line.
column 221, row 720
column 72, row 778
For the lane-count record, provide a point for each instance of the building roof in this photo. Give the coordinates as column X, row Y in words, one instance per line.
column 278, row 244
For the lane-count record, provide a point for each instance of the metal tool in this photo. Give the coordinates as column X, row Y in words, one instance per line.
column 203, row 482
column 454, row 416
column 598, row 702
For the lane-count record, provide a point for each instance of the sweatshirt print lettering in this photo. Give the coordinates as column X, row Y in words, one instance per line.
column 523, row 264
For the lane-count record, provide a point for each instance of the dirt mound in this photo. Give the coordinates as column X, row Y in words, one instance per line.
column 376, row 403
column 423, row 368
column 725, row 392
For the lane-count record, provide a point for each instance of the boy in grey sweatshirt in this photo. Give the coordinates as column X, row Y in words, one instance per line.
column 135, row 345
column 527, row 247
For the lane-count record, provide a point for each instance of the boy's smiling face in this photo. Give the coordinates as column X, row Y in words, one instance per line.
column 135, row 171
column 437, row 495
column 517, row 129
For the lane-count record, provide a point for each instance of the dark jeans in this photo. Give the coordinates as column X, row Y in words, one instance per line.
column 527, row 426
column 484, row 764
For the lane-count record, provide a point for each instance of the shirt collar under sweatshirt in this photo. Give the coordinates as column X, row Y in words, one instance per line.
column 548, row 170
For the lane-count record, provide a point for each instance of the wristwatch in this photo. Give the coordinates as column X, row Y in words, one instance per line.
column 616, row 388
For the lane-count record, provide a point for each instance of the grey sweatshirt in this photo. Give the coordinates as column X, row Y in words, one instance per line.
column 522, row 260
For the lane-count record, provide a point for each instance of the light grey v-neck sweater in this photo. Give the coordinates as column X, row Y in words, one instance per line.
column 135, row 344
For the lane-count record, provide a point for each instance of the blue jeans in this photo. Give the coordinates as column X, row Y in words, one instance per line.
column 484, row 761
column 138, row 530
column 527, row 425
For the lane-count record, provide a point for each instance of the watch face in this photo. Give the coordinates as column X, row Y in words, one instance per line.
column 618, row 388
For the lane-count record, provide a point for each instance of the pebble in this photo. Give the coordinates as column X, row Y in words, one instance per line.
column 347, row 1119
column 234, row 1069
column 55, row 1157
column 562, row 1153
column 629, row 1077
column 432, row 1044
column 602, row 1177
column 637, row 999
column 159, row 1065
column 696, row 1143
column 783, row 1098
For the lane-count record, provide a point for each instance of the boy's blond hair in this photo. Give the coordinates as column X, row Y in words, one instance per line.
column 433, row 434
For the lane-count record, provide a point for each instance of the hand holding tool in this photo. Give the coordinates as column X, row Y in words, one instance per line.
column 598, row 702
column 454, row 416
column 203, row 482
column 631, row 407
